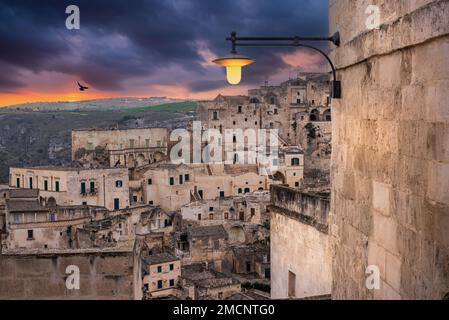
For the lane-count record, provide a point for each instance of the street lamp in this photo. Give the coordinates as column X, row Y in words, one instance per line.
column 235, row 62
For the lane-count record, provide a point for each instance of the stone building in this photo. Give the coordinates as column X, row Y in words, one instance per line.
column 249, row 260
column 271, row 107
column 172, row 186
column 107, row 187
column 161, row 275
column 390, row 161
column 202, row 244
column 119, row 148
column 300, row 251
column 201, row 282
column 299, row 109
column 250, row 207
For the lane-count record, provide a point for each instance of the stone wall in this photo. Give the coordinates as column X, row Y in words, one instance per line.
column 103, row 275
column 299, row 245
column 390, row 160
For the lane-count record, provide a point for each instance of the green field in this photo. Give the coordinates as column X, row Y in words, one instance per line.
column 174, row 106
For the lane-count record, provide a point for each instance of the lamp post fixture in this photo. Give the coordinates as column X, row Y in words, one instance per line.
column 235, row 62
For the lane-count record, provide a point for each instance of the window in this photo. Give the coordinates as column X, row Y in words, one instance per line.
column 226, row 215
column 187, row 177
column 83, row 187
column 314, row 115
column 92, row 187
column 275, row 111
column 116, row 204
column 46, row 185
column 159, row 284
column 253, row 212
column 199, row 216
column 30, row 183
column 200, row 193
column 211, row 216
column 211, row 208
column 296, row 184
column 150, row 181
column 222, row 194
column 295, row 161
column 216, row 244
column 172, row 181
column 18, row 182
column 247, row 190
column 134, row 198
column 327, row 115
column 30, row 235
column 131, row 143
column 215, row 115
column 181, row 179
column 248, row 266
column 159, row 269
column 240, row 109
column 240, row 190
column 172, row 282
column 172, row 267
column 57, row 186
column 119, row 184
column 84, row 203
column 272, row 100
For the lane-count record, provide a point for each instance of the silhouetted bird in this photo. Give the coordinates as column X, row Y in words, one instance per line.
column 82, row 88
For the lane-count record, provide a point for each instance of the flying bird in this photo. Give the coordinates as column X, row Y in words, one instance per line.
column 82, row 88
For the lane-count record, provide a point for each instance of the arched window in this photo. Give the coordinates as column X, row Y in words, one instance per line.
column 314, row 115
column 327, row 116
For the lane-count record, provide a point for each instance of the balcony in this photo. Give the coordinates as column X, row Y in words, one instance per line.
column 90, row 192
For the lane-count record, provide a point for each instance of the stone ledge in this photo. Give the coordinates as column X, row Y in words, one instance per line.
column 417, row 27
column 311, row 221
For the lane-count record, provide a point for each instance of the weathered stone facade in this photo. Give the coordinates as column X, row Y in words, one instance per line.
column 103, row 275
column 300, row 251
column 121, row 148
column 390, row 161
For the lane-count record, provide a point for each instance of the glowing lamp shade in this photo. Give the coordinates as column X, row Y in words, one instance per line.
column 234, row 64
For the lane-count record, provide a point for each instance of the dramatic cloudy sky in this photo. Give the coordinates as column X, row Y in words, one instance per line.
column 146, row 47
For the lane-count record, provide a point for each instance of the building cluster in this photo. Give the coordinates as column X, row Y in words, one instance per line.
column 197, row 230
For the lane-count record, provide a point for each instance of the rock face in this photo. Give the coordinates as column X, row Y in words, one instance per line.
column 390, row 161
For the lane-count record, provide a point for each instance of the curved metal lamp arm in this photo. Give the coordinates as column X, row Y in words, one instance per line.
column 292, row 42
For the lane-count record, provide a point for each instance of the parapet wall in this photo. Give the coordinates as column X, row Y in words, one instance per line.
column 307, row 208
column 103, row 275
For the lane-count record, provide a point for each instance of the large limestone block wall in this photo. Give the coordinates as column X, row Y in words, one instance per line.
column 390, row 158
column 103, row 275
